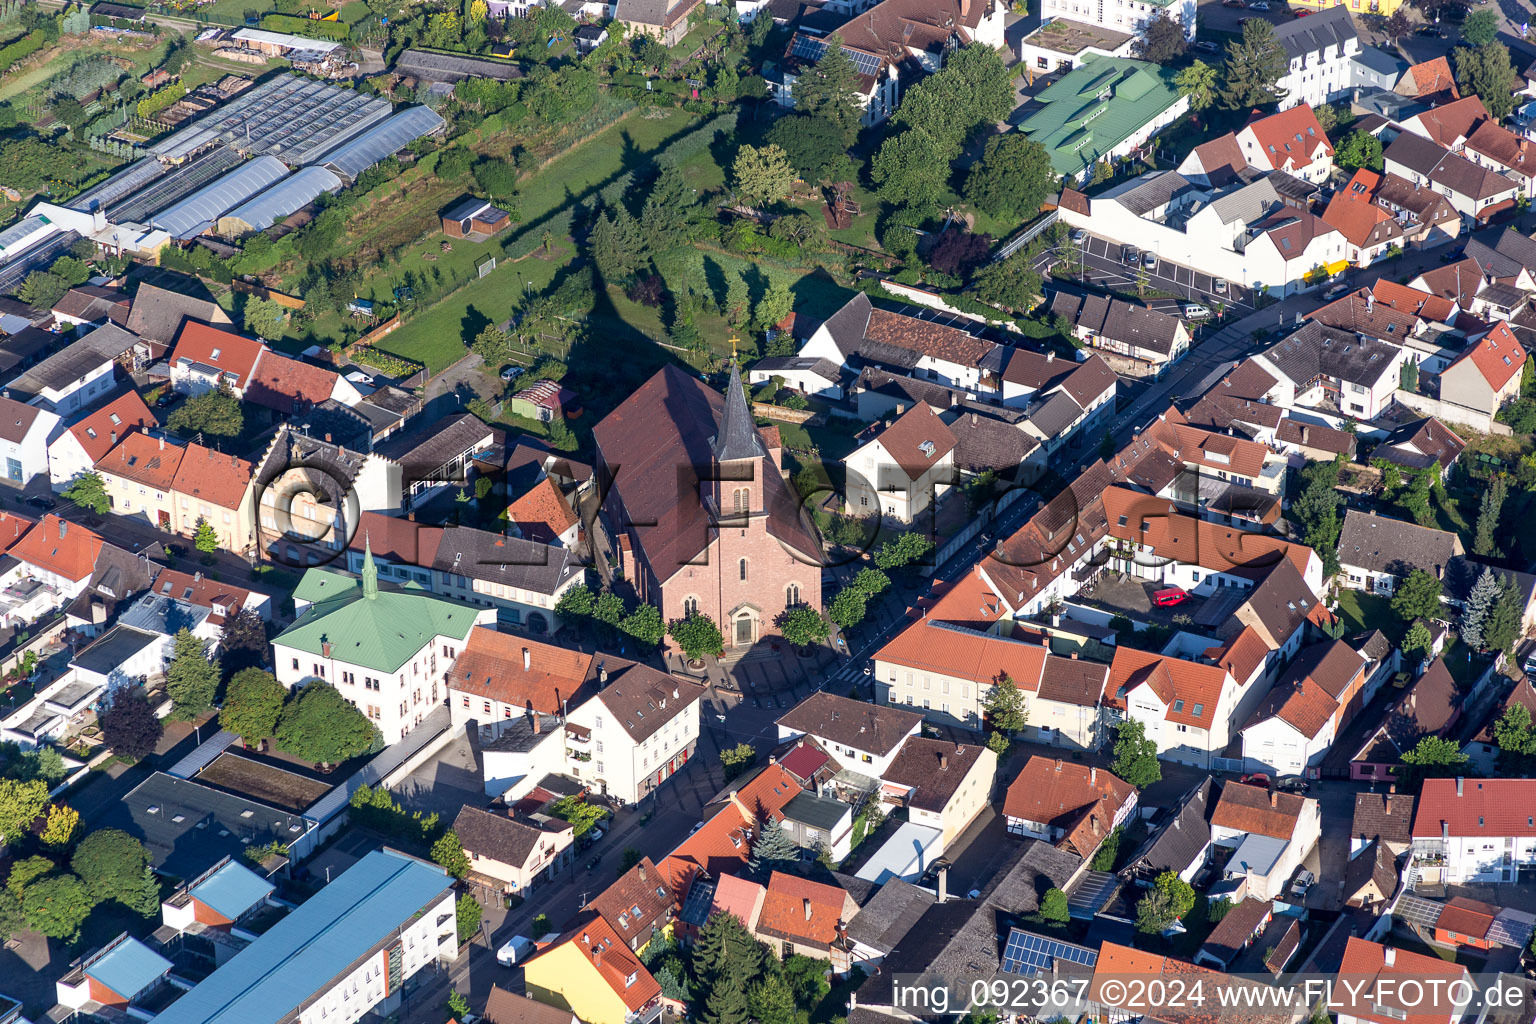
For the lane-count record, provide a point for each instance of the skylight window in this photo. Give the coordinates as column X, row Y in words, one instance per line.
column 1178, row 705
column 1199, row 710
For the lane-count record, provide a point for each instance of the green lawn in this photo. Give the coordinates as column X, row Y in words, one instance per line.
column 692, row 41
column 1362, row 612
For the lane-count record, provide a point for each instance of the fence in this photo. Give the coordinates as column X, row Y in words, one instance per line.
column 779, row 412
column 1452, row 414
column 1024, row 237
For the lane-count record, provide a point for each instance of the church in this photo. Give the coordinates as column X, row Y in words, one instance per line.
column 699, row 509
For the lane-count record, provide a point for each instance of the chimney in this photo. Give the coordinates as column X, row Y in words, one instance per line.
column 1274, row 798
column 527, row 659
column 597, row 956
column 1093, row 776
column 943, row 762
column 538, row 721
column 1058, row 764
column 114, row 438
column 1177, row 824
column 1459, row 781
column 1050, row 357
column 162, row 444
column 1387, row 803
column 1445, row 831
column 1073, row 655
column 410, row 516
column 842, row 932
column 1306, row 433
column 325, row 648
column 807, row 904
column 1389, row 955
column 943, row 883
column 772, row 759
column 642, row 871
column 602, row 675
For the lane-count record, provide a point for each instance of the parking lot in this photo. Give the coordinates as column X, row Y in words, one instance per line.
column 1110, row 259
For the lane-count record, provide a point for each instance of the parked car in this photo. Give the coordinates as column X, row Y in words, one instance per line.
column 1219, row 286
column 1452, row 255
column 1431, row 31
column 41, row 501
column 168, row 399
column 1300, row 884
column 1232, row 3
column 511, row 373
column 1258, row 5
column 1206, row 46
column 1169, row 596
column 1336, row 290
column 518, row 948
column 1195, row 311
column 1293, row 784
column 1302, row 14
column 1255, row 779
column 1454, row 13
column 1130, row 255
column 1149, row 261
column 1079, row 236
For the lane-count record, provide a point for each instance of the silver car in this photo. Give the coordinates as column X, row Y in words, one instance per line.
column 1149, row 261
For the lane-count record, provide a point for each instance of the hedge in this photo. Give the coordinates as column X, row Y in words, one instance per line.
column 335, row 31
column 21, row 49
column 152, row 104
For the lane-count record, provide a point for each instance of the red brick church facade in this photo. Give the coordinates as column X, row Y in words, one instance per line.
column 698, row 506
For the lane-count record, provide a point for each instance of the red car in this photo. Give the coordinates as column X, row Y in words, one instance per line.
column 1302, row 14
column 1170, row 596
column 1256, row 779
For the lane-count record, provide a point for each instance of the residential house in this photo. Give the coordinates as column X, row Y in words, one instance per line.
column 1189, row 709
column 1369, row 228
column 206, row 358
column 543, row 515
column 942, row 785
column 120, row 976
column 1287, row 248
column 1291, row 141
column 1426, row 216
column 818, row 823
column 1487, row 375
column 1072, row 805
column 1422, row 444
column 949, row 671
column 75, row 377
column 25, row 431
column 222, row 898
column 513, row 855
column 137, row 476
column 1299, row 719
column 522, row 578
column 638, row 906
column 902, row 467
column 1493, row 146
column 1371, row 877
column 591, row 972
column 860, row 737
column 1474, row 831
column 1429, row 707
column 1319, row 50
column 807, row 375
column 811, row 918
column 56, row 553
column 293, row 387
column 91, row 304
column 1383, row 994
column 1179, row 839
column 858, row 334
column 1477, row 193
column 1466, row 922
column 222, row 600
column 722, row 846
column 666, row 20
column 364, row 638
column 1148, row 340
column 503, row 1007
column 1128, row 20
column 1378, row 552
column 1429, row 79
column 1128, row 100
column 311, row 492
column 438, row 456
column 1270, row 834
column 1483, row 749
column 80, row 445
column 1506, row 261
column 1447, row 124
column 159, row 311
column 1384, row 818
column 1238, row 929
column 214, row 488
column 722, row 535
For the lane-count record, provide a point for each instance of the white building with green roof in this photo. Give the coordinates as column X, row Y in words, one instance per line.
column 387, row 649
column 1105, row 108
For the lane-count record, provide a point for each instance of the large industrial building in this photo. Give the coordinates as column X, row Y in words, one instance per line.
column 265, row 154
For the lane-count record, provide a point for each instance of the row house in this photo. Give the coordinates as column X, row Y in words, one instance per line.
column 1474, row 830
column 1475, row 192
column 179, row 487
column 1426, row 217
column 1370, row 229
column 77, row 448
column 1299, row 719
column 1190, row 709
column 1449, row 124
column 1486, row 376
column 1377, row 552
column 509, row 854
column 1072, row 805
column 1149, row 339
column 1334, row 372
column 1319, row 51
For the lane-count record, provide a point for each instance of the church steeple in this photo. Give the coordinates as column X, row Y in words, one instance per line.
column 738, row 437
column 370, row 572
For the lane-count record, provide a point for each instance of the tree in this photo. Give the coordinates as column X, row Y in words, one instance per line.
column 726, row 1004
column 467, row 913
column 1476, row 608
column 448, row 853
column 912, row 170
column 1199, row 83
column 576, row 604
column 618, row 246
column 1255, row 63
column 318, row 725
column 762, row 175
column 129, row 724
column 205, row 538
column 1161, row 41
column 1108, row 853
column 815, row 146
column 1053, row 907
column 804, row 627
column 1480, row 28
column 664, row 218
column 725, row 953
column 1003, row 707
column 215, row 412
column 1013, row 284
column 1359, row 149
column 609, row 609
column 252, row 703
column 115, row 865
column 870, row 582
column 999, row 744
column 771, row 1000
column 644, row 624
column 1012, row 178
column 697, row 635
column 1484, row 542
column 1417, row 640
column 1418, row 597
column 1135, row 755
column 1397, row 25
column 493, row 345
column 498, row 180
column 848, row 608
column 1180, row 894
column 736, row 760
column 1154, row 913
column 776, row 303
column 243, row 641
column 828, row 90
column 1435, row 757
column 57, row 907
column 63, row 823
column 458, row 1006
column 584, row 817
column 902, row 550
column 973, row 89
column 265, row 318
column 1502, row 627
column 20, row 805
column 191, row 680
column 89, row 492
column 1485, row 72
column 630, row 858
column 775, row 849
column 42, row 289
column 1516, row 737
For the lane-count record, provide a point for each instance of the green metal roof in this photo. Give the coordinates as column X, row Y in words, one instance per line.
column 1096, row 107
column 368, row 624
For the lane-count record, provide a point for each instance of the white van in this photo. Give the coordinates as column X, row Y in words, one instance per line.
column 517, row 949
column 1195, row 311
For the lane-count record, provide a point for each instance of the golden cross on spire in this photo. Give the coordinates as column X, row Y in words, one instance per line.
column 734, row 340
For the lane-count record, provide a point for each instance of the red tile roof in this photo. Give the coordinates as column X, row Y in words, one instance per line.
column 765, row 795
column 144, row 460
column 1081, row 800
column 287, row 384
column 1486, row 807
column 1434, row 75
column 722, row 847
column 202, row 591
column 542, row 514
column 615, row 963
column 103, row 428
column 1357, row 217
column 1258, row 810
column 221, row 350
column 1450, row 123
column 12, row 528
column 1374, row 982
column 1467, row 917
column 1185, row 687
column 1500, row 144
column 1242, row 655
column 65, row 549
column 491, row 666
column 1412, row 300
column 1497, row 356
column 1161, row 529
column 802, row 910
column 1291, row 138
column 902, row 440
column 214, row 477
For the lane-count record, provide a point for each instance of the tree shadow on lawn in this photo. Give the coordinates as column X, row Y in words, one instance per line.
column 472, row 323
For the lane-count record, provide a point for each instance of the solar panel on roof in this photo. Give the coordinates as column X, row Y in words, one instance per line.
column 1027, row 953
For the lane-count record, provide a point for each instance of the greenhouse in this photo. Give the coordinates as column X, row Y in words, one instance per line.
column 381, row 141
column 197, row 213
column 292, row 193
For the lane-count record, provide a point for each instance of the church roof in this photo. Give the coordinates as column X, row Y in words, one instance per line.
column 738, row 437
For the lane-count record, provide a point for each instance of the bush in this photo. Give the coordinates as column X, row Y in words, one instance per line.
column 21, row 49
column 335, row 31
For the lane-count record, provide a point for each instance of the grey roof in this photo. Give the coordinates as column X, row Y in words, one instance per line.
column 1288, row 186
column 1056, row 414
column 1182, row 837
column 69, row 364
column 1146, row 193
column 1119, row 320
column 445, row 67
column 292, row 193
column 495, row 836
column 289, row 116
column 817, row 811
column 985, row 442
column 158, row 312
column 1316, row 351
column 157, row 613
column 1380, row 61
column 1247, row 203
column 848, row 324
column 424, row 451
column 1331, row 27
column 643, row 12
column 824, row 367
column 1384, row 544
column 113, row 649
column 1506, row 255
column 513, row 561
column 382, row 140
column 889, row 914
column 200, row 210
column 738, row 437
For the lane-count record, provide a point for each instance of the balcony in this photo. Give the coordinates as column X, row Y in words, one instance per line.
column 578, row 755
